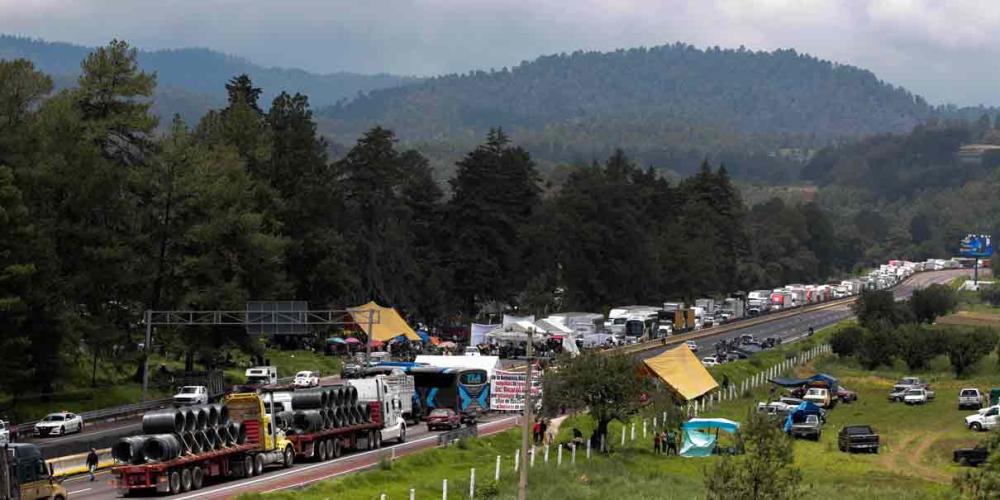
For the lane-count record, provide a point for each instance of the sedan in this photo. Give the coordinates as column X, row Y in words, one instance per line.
column 306, row 379
column 59, row 424
column 443, row 418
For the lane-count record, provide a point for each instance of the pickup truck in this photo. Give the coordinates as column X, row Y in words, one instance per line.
column 915, row 396
column 858, row 438
column 810, row 428
column 983, row 420
column 971, row 457
column 818, row 396
column 898, row 392
column 970, row 397
column 191, row 395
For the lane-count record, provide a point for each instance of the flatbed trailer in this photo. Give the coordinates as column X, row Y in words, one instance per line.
column 189, row 472
column 332, row 443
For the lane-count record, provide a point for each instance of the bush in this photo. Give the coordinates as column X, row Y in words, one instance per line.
column 931, row 302
column 385, row 462
column 847, row 341
column 488, row 489
column 991, row 294
column 966, row 347
column 917, row 345
column 877, row 348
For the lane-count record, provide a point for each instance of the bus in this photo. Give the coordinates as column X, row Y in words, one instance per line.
column 465, row 390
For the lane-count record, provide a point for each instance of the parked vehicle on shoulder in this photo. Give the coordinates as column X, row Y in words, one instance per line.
column 818, row 396
column 710, row 361
column 970, row 398
column 971, row 457
column 810, row 428
column 191, row 395
column 915, row 396
column 306, row 379
column 983, row 420
column 858, row 438
column 59, row 424
column 443, row 418
column 846, row 395
column 692, row 345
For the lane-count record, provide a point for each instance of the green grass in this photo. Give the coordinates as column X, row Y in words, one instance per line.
column 291, row 362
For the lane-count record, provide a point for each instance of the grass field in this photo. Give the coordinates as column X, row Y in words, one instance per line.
column 914, row 462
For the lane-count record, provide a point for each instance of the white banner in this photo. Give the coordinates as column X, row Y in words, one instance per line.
column 507, row 391
column 477, row 333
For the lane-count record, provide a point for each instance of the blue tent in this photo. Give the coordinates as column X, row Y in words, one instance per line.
column 698, row 438
column 424, row 337
column 799, row 414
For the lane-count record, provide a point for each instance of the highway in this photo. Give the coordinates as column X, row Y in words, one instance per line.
column 302, row 474
column 788, row 328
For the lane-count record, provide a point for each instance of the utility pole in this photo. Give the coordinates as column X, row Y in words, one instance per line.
column 147, row 347
column 522, row 484
column 368, row 341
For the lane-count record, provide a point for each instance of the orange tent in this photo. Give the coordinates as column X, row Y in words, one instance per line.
column 386, row 323
column 682, row 372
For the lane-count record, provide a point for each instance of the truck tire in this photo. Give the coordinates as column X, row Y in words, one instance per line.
column 258, row 465
column 174, row 482
column 337, row 451
column 185, row 480
column 289, row 458
column 321, row 451
column 197, row 478
column 976, row 426
column 402, row 434
column 329, row 448
column 248, row 466
column 378, row 438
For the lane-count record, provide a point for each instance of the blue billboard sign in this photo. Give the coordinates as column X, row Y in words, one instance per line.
column 976, row 245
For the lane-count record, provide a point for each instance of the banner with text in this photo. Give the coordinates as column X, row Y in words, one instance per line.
column 508, row 390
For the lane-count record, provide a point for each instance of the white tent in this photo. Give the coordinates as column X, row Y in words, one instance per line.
column 518, row 332
column 488, row 363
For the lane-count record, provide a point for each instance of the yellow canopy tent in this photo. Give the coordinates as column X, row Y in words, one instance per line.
column 681, row 371
column 387, row 324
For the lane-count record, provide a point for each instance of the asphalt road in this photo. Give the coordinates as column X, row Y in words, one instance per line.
column 276, row 478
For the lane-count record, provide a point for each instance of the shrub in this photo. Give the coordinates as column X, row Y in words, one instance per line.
column 931, row 302
column 966, row 347
column 877, row 348
column 846, row 341
column 991, row 294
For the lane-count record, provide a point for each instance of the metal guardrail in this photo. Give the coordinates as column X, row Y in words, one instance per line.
column 106, row 413
column 469, row 431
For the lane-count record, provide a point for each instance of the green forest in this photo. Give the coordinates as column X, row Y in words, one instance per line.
column 102, row 218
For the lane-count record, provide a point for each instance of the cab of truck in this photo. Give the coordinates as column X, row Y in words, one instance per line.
column 262, row 375
column 31, row 475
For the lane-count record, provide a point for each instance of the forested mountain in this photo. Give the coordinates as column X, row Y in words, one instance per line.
column 191, row 80
column 662, row 101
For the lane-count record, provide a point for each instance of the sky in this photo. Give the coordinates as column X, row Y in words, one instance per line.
column 944, row 50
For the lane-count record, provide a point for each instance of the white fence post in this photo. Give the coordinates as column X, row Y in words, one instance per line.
column 532, row 463
column 381, row 497
column 572, row 459
column 496, row 473
column 472, row 482
column 413, row 494
column 644, row 429
column 444, row 489
column 588, row 449
column 546, row 453
column 559, row 456
column 632, row 434
column 517, row 460
column 654, row 422
column 623, row 435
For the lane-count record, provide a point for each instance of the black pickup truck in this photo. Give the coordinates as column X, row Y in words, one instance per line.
column 972, row 457
column 858, row 438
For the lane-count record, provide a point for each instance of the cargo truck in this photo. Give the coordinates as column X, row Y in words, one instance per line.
column 25, row 475
column 263, row 446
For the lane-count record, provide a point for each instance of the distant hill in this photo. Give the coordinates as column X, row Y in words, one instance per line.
column 192, row 81
column 645, row 99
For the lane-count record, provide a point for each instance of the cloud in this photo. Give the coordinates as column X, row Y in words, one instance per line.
column 938, row 49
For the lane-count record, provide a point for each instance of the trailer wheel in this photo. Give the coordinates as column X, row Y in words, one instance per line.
column 175, row 483
column 402, row 434
column 258, row 465
column 247, row 466
column 337, row 450
column 378, row 439
column 197, row 478
column 321, row 448
column 186, row 480
column 370, row 445
column 329, row 448
column 289, row 458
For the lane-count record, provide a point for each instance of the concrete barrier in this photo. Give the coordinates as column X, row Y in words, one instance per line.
column 77, row 464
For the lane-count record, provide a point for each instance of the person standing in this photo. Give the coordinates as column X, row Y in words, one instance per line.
column 657, row 441
column 671, row 442
column 92, row 461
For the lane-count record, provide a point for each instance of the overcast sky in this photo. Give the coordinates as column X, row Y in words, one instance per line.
column 945, row 50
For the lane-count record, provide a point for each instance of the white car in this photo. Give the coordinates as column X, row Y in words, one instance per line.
column 709, row 361
column 59, row 424
column 191, row 395
column 984, row 419
column 306, row 379
column 692, row 345
column 915, row 397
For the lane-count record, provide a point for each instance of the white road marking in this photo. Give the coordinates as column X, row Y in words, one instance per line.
column 79, row 491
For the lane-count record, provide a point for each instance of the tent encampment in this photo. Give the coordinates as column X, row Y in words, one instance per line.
column 386, row 324
column 681, row 371
column 698, row 438
column 798, row 414
column 488, row 363
column 822, row 378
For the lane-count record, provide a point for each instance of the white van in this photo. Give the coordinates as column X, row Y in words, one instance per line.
column 262, row 375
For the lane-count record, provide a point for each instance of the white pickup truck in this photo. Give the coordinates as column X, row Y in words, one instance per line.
column 984, row 419
column 191, row 395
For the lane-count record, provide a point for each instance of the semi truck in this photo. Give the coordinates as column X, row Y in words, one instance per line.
column 264, row 446
column 24, row 474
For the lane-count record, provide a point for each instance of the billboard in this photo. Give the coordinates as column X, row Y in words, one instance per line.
column 976, row 245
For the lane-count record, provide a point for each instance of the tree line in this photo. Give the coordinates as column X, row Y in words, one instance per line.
column 102, row 218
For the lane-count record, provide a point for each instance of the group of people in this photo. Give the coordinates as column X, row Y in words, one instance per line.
column 665, row 442
column 538, row 431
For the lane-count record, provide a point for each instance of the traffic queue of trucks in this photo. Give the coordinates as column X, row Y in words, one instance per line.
column 185, row 447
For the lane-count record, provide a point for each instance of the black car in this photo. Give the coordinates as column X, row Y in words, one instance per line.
column 858, row 438
column 972, row 457
column 351, row 370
